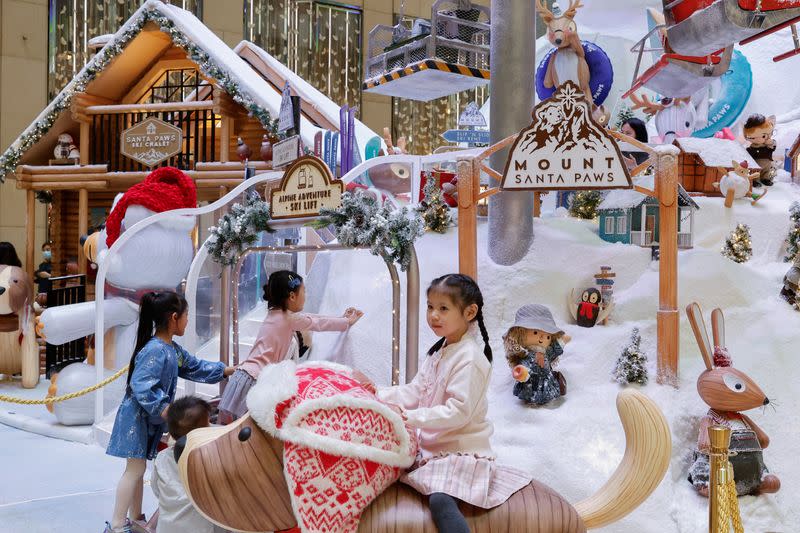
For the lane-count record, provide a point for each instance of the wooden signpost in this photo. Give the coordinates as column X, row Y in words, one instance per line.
column 307, row 186
column 151, row 141
column 564, row 148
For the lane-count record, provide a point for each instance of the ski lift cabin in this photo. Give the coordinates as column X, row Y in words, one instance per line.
column 701, row 27
column 448, row 55
column 675, row 75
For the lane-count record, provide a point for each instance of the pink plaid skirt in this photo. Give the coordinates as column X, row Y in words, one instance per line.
column 476, row 480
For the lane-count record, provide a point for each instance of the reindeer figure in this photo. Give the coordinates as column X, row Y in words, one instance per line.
column 674, row 117
column 569, row 60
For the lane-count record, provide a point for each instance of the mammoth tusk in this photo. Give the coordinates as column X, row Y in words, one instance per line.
column 648, row 447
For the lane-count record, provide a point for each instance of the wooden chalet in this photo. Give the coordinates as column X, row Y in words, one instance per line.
column 793, row 160
column 701, row 160
column 153, row 75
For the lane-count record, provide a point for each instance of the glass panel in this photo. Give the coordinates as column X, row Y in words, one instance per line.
column 320, row 42
column 72, row 23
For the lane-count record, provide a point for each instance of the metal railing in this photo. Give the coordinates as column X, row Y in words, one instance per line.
column 57, row 356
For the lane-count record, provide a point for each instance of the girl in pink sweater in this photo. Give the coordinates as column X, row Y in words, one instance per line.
column 285, row 295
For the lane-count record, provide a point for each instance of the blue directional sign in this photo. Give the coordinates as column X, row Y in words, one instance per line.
column 467, row 136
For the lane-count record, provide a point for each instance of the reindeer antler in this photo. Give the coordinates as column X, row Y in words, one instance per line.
column 574, row 5
column 643, row 102
column 546, row 14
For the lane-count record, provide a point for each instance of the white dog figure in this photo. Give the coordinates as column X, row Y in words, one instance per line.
column 19, row 352
column 156, row 258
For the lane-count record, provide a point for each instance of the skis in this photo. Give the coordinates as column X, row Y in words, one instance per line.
column 756, row 197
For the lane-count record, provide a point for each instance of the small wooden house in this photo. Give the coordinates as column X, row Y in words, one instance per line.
column 630, row 217
column 793, row 160
column 700, row 161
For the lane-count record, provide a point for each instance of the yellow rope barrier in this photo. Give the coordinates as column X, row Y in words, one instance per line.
column 64, row 397
column 728, row 504
column 723, row 501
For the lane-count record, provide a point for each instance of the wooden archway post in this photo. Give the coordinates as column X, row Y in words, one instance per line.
column 468, row 189
column 666, row 184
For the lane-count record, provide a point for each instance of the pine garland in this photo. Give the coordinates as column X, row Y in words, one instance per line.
column 793, row 239
column 631, row 364
column 434, row 210
column 361, row 221
column 584, row 204
column 12, row 156
column 237, row 230
column 737, row 245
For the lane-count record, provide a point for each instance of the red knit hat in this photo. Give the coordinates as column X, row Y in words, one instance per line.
column 163, row 189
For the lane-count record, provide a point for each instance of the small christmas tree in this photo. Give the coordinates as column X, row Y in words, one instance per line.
column 625, row 114
column 793, row 239
column 584, row 204
column 737, row 246
column 435, row 212
column 630, row 367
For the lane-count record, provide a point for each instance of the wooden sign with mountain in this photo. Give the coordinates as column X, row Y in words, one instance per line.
column 564, row 148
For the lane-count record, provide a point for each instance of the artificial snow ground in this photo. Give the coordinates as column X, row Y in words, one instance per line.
column 574, row 445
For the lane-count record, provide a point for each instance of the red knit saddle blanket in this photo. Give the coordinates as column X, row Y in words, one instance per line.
column 342, row 446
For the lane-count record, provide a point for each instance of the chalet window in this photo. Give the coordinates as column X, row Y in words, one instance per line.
column 622, row 225
column 319, row 41
column 609, row 225
column 74, row 23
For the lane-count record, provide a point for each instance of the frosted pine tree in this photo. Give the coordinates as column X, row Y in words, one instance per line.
column 793, row 239
column 631, row 363
column 584, row 204
column 737, row 246
column 435, row 212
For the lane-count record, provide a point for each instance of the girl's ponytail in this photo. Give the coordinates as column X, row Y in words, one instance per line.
column 145, row 330
column 155, row 310
column 487, row 350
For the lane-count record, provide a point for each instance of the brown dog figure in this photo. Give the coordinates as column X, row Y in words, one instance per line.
column 727, row 391
column 569, row 60
column 19, row 352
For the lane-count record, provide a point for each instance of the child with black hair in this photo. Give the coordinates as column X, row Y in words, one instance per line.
column 447, row 403
column 156, row 364
column 176, row 514
column 286, row 296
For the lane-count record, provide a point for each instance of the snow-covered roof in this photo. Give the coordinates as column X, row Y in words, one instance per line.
column 251, row 85
column 629, row 198
column 308, row 93
column 716, row 152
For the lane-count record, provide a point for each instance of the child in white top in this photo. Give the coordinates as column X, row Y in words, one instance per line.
column 447, row 403
column 176, row 514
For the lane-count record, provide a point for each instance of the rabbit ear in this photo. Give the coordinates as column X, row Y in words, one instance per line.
column 718, row 327
column 695, row 315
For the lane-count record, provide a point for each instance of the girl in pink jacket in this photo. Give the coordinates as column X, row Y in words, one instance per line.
column 285, row 295
column 447, row 403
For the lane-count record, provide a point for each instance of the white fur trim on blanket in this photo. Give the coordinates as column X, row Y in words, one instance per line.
column 278, row 383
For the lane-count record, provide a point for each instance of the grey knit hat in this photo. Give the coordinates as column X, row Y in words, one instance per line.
column 536, row 316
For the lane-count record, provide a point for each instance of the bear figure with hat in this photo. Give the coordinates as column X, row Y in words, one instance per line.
column 533, row 346
column 157, row 257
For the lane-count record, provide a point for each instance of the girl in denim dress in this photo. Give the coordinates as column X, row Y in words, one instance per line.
column 155, row 367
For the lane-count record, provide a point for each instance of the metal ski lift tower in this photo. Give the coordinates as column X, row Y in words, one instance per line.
column 513, row 60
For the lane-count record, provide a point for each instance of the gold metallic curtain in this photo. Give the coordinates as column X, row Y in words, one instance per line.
column 320, row 42
column 72, row 23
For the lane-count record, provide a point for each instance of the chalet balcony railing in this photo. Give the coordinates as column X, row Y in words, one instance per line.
column 196, row 120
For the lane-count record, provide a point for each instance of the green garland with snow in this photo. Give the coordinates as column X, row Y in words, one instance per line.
column 362, row 221
column 12, row 156
column 238, row 230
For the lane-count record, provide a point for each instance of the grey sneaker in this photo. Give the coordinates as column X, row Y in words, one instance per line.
column 124, row 529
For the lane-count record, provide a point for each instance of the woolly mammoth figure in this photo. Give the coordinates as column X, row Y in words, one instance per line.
column 157, row 258
column 19, row 352
column 229, row 471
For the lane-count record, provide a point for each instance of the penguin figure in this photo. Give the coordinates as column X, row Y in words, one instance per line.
column 589, row 308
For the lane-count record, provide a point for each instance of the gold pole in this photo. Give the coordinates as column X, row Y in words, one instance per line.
column 719, row 438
